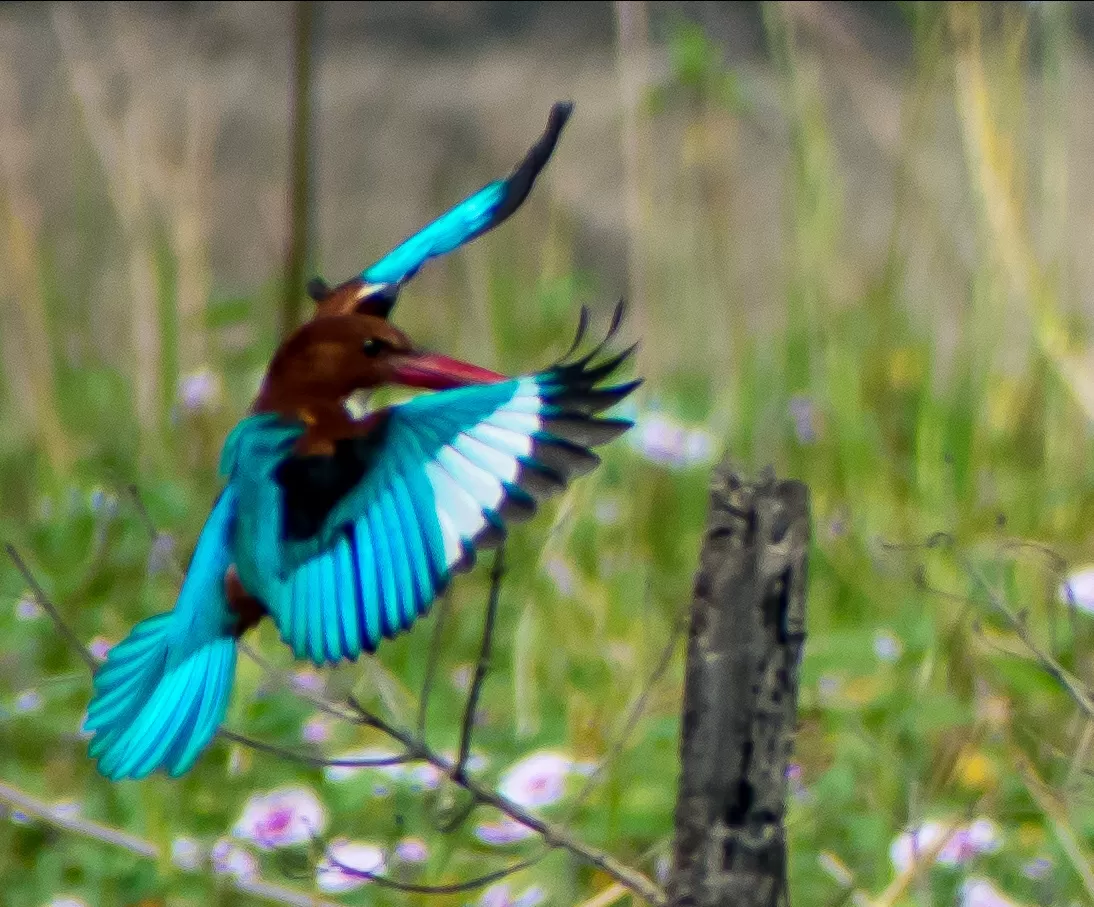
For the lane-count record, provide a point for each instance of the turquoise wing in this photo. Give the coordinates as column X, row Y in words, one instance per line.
column 475, row 215
column 373, row 533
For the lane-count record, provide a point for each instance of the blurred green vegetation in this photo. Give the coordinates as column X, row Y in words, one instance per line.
column 919, row 702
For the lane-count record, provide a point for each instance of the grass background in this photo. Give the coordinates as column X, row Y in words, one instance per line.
column 855, row 242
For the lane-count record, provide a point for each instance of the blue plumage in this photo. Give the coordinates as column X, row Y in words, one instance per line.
column 479, row 212
column 431, row 481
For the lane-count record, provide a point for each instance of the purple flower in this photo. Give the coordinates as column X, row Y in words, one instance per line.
column 186, row 854
column 99, row 647
column 316, row 729
column 231, row 859
column 539, row 779
column 804, row 414
column 28, row 701
column 663, row 440
column 282, row 818
column 412, row 850
column 964, row 843
column 27, row 608
column 502, row 832
column 886, row 646
column 335, row 872
column 199, row 390
column 1038, row 868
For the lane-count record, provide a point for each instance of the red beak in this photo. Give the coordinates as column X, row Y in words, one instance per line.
column 435, row 372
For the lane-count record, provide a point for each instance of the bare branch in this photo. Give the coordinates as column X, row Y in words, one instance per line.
column 86, row 828
column 306, row 758
column 483, row 664
column 43, row 602
column 453, row 888
column 552, row 835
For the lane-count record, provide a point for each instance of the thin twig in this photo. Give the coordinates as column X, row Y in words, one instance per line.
column 104, row 834
column 306, row 758
column 482, row 666
column 551, row 834
column 452, row 888
column 43, row 602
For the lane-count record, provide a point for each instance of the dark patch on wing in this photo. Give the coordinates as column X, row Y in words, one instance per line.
column 313, row 484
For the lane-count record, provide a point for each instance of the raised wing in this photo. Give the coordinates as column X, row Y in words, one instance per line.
column 372, row 534
column 472, row 217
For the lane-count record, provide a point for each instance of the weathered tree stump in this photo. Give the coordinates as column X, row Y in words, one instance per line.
column 741, row 695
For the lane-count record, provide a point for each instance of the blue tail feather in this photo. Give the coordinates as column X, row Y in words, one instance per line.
column 164, row 690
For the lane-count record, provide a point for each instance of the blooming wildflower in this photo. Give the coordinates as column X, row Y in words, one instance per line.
column 1078, row 590
column 537, row 780
column 804, row 414
column 981, row 893
column 281, row 818
column 502, row 832
column 886, row 646
column 344, row 772
column 199, row 390
column 162, row 553
column 102, row 503
column 963, row 844
column 316, row 729
column 67, row 902
column 28, row 701
column 335, row 872
column 412, row 850
column 19, row 817
column 231, row 859
column 186, row 854
column 308, row 680
column 99, row 647
column 662, row 440
column 27, row 608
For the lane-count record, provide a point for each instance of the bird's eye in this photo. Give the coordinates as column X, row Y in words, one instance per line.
column 373, row 347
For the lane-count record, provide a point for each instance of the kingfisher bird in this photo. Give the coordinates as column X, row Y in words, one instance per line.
column 343, row 530
column 375, row 290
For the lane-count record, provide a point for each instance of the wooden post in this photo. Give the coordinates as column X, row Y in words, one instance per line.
column 741, row 695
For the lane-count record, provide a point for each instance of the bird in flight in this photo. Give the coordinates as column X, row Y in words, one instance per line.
column 343, row 530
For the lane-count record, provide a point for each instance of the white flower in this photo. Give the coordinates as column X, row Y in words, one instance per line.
column 424, row 777
column 963, row 844
column 231, row 859
column 335, row 871
column 1078, row 590
column 981, row 893
column 662, row 440
column 186, row 854
column 537, row 780
column 282, row 818
column 504, row 831
column 67, row 902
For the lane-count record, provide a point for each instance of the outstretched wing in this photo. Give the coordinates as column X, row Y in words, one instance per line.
column 372, row 533
column 472, row 217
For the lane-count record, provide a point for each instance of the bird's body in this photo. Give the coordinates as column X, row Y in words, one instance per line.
column 343, row 531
